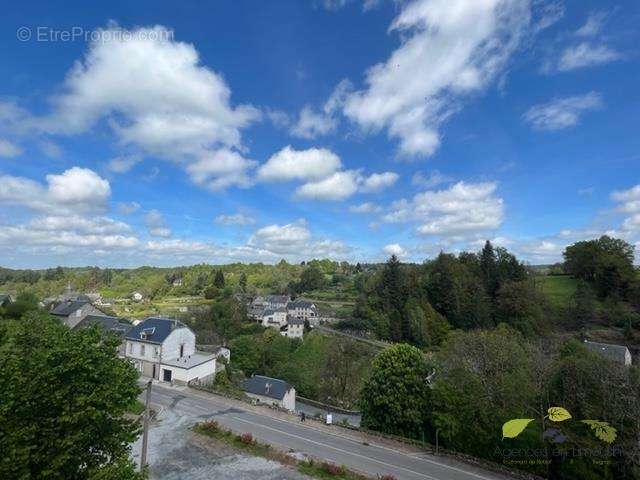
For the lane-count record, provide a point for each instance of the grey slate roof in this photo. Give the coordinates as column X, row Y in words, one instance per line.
column 4, row 297
column 300, row 304
column 616, row 353
column 266, row 386
column 116, row 325
column 64, row 309
column 291, row 320
column 271, row 311
column 277, row 298
column 157, row 329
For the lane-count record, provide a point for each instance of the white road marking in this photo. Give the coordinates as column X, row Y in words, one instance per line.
column 347, row 438
column 337, row 449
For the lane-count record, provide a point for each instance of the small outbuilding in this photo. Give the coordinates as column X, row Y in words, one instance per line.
column 271, row 391
column 617, row 353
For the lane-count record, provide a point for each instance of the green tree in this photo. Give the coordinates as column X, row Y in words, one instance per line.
column 520, row 305
column 243, row 282
column 25, row 303
column 311, row 278
column 219, row 279
column 395, row 398
column 64, row 395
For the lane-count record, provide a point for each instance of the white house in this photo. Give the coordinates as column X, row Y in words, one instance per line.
column 303, row 310
column 165, row 349
column 271, row 391
column 294, row 327
column 274, row 318
column 137, row 296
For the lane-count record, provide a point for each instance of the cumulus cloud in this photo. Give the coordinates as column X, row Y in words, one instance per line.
column 629, row 204
column 367, row 207
column 9, row 149
column 295, row 239
column 156, row 224
column 76, row 189
column 394, row 249
column 449, row 49
column 463, row 210
column 337, row 186
column 123, row 164
column 220, row 169
column 235, row 219
column 156, row 96
column 289, row 164
column 377, row 182
column 562, row 113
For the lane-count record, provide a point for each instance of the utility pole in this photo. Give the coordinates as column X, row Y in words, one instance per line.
column 145, row 433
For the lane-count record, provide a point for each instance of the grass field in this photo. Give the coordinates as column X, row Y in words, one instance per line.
column 558, row 288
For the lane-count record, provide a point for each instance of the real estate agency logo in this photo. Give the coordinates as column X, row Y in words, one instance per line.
column 602, row 430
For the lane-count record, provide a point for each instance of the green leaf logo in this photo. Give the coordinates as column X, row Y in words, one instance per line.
column 514, row 427
column 602, row 430
column 558, row 414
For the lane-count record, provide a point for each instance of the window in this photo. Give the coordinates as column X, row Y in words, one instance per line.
column 130, row 347
column 142, row 350
column 155, row 352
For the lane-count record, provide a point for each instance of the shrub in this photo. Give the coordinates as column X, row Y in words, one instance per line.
column 387, row 477
column 332, row 469
column 210, row 426
column 246, row 438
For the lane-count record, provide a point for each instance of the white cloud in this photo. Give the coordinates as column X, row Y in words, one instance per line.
column 449, row 48
column 9, row 149
column 76, row 189
column 156, row 224
column 235, row 219
column 220, row 169
column 289, row 164
column 562, row 113
column 593, row 25
column 336, row 187
column 295, row 240
column 377, row 182
column 463, row 210
column 123, row 164
column 312, row 124
column 431, row 180
column 366, row 207
column 155, row 95
column 584, row 55
column 629, row 203
column 127, row 208
column 394, row 249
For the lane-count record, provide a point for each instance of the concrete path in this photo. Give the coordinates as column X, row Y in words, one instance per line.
column 331, row 444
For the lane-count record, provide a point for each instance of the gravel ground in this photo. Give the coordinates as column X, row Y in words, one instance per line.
column 176, row 453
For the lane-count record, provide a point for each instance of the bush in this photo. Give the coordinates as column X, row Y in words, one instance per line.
column 210, row 426
column 332, row 469
column 387, row 477
column 246, row 438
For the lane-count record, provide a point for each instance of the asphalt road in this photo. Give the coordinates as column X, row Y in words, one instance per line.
column 371, row 459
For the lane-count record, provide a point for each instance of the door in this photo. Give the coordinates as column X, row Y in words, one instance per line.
column 182, row 350
column 166, row 375
column 153, row 375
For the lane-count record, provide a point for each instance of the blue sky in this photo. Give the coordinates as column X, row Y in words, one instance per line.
column 139, row 133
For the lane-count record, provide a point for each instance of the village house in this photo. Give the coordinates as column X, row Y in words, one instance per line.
column 72, row 312
column 303, row 310
column 617, row 353
column 271, row 391
column 294, row 327
column 274, row 317
column 137, row 296
column 118, row 326
column 165, row 349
